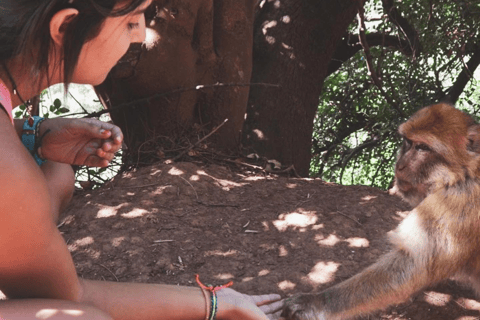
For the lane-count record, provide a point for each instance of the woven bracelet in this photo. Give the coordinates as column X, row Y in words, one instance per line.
column 213, row 296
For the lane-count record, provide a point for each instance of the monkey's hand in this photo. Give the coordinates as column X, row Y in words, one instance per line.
column 79, row 141
column 304, row 307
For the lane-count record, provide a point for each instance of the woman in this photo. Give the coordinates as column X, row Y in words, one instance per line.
column 44, row 42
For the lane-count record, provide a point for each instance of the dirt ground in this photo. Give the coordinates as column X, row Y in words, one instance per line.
column 166, row 223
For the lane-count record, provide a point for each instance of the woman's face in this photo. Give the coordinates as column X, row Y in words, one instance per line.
column 99, row 55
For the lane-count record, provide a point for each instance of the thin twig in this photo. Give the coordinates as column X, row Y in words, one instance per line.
column 346, row 216
column 146, row 101
column 368, row 57
column 113, row 274
column 196, row 194
column 200, row 141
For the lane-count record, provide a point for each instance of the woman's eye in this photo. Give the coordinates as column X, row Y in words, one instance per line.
column 132, row 26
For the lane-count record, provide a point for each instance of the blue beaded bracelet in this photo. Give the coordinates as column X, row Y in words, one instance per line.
column 29, row 137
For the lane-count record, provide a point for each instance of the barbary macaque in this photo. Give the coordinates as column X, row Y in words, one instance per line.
column 438, row 171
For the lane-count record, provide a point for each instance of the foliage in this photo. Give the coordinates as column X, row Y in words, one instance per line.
column 355, row 138
column 53, row 102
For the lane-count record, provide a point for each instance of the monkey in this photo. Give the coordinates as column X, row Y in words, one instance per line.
column 438, row 173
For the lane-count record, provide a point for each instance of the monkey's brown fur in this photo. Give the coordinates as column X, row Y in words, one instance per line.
column 437, row 170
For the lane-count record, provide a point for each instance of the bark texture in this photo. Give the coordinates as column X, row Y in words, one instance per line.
column 293, row 45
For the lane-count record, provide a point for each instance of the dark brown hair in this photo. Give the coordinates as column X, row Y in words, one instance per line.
column 25, row 29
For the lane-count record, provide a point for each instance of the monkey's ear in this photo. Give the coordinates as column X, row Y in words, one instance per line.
column 473, row 137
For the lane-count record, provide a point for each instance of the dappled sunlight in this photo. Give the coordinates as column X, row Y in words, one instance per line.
column 369, row 198
column 108, row 211
column 49, row 313
column 437, row 299
column 323, row 272
column 224, row 276
column 282, row 251
column 263, row 272
column 219, row 253
column 286, row 285
column 135, row 213
column 297, row 220
column 258, row 133
column 195, row 178
column 468, row 318
column 116, row 242
column 291, row 185
column 329, row 241
column 175, row 172
column 469, row 304
column 224, row 184
column 333, row 240
column 358, row 242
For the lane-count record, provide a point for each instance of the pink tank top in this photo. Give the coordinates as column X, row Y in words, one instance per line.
column 5, row 100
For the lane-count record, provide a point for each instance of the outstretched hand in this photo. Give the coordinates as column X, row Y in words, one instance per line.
column 249, row 307
column 87, row 142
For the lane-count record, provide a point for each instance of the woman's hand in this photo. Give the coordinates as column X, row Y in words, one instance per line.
column 235, row 305
column 87, row 142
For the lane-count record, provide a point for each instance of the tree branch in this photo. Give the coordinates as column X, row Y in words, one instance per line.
column 463, row 78
column 371, row 71
column 403, row 25
column 350, row 45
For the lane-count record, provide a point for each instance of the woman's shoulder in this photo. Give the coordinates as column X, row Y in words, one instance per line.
column 5, row 99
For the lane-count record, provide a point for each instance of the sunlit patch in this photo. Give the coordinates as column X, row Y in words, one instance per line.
column 358, row 242
column 135, row 213
column 277, row 4
column 46, row 313
column 130, row 194
column 161, row 189
column 270, row 39
column 221, row 253
column 323, row 272
column 84, row 242
column 175, row 172
column 2, row 296
column 117, row 241
column 224, row 276
column 467, row 318
column 225, row 184
column 318, row 226
column 255, row 178
column 469, row 304
column 107, row 211
column 152, row 37
column 329, row 241
column 286, row 285
column 291, row 185
column 247, row 279
column 263, row 273
column 268, row 25
column 437, row 299
column 295, row 220
column 282, row 251
column 259, row 134
column 286, row 19
column 194, row 178
column 157, row 171
column 286, row 46
column 368, row 198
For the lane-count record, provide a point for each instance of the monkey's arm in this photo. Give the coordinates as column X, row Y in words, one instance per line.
column 414, row 264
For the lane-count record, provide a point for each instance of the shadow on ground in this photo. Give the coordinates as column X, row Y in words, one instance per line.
column 166, row 223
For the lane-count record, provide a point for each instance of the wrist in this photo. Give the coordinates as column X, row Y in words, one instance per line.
column 31, row 138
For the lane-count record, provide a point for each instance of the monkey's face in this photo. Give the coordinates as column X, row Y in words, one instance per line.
column 416, row 162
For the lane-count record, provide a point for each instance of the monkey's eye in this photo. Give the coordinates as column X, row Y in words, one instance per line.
column 407, row 143
column 422, row 147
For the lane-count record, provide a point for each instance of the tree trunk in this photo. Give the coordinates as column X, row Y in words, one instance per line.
column 151, row 92
column 189, row 43
column 294, row 42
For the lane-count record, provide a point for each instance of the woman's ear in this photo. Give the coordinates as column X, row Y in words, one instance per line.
column 59, row 23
